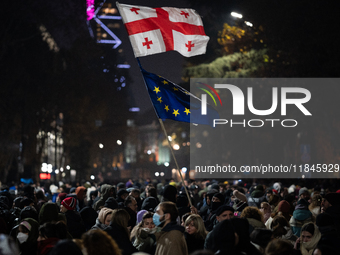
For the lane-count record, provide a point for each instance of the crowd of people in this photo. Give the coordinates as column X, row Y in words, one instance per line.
column 165, row 218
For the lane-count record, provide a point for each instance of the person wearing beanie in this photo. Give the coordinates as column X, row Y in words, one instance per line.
column 224, row 212
column 301, row 216
column 81, row 195
column 169, row 194
column 60, row 197
column 111, row 203
column 106, row 191
column 75, row 223
column 331, row 205
column 104, row 219
column 121, row 195
column 89, row 216
column 216, row 202
column 257, row 197
column 182, row 205
column 304, row 193
column 149, row 204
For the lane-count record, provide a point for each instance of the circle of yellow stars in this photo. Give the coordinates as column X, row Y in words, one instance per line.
column 159, row 99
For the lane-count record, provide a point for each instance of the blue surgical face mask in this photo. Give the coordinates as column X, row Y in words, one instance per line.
column 156, row 219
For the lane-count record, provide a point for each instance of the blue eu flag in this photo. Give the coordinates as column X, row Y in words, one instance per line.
column 173, row 102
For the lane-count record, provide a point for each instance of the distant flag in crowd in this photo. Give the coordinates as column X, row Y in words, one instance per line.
column 171, row 101
column 156, row 30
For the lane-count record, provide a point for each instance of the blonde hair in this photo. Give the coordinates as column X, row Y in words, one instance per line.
column 198, row 224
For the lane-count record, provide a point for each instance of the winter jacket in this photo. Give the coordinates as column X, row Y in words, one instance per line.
column 119, row 234
column 75, row 224
column 171, row 240
column 300, row 217
column 194, row 243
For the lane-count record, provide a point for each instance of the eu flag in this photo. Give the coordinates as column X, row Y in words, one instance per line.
column 171, row 101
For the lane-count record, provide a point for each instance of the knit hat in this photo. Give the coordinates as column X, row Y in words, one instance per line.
column 80, row 191
column 69, row 203
column 224, row 208
column 121, row 185
column 303, row 190
column 140, row 215
column 62, row 196
column 170, row 193
column 111, row 203
column 284, row 207
column 122, row 192
column 220, row 197
column 302, row 204
column 333, row 198
column 149, row 204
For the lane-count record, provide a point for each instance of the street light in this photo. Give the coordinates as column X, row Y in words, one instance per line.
column 236, row 15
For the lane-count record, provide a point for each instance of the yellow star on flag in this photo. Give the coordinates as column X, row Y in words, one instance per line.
column 176, row 112
column 165, row 82
column 187, row 111
column 175, row 89
column 166, row 108
column 159, row 99
column 157, row 90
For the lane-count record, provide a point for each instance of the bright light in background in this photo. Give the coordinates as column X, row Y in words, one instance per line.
column 149, row 152
column 134, row 109
column 236, row 15
column 92, row 177
column 248, row 23
column 170, row 138
column 49, row 170
column 68, row 167
column 119, row 142
column 198, row 145
column 184, row 169
column 61, row 169
column 176, row 147
column 56, row 171
column 166, row 164
column 101, row 146
column 156, row 174
column 162, row 173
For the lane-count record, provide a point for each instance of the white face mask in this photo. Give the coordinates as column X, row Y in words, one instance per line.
column 22, row 237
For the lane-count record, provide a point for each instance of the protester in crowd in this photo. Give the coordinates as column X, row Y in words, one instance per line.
column 257, row 197
column 304, row 194
column 307, row 242
column 142, row 235
column 283, row 208
column 195, row 233
column 130, row 205
column 315, row 205
column 96, row 241
column 28, row 232
column 149, row 204
column 74, row 221
column 121, row 195
column 266, row 210
column 104, row 219
column 49, row 235
column 171, row 239
column 106, row 191
column 136, row 194
column 81, row 196
column 48, row 213
column 254, row 216
column 224, row 212
column 169, row 194
column 111, row 203
column 260, row 238
column 118, row 230
column 281, row 229
column 300, row 217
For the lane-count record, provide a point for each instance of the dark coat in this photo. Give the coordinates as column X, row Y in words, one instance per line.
column 121, row 237
column 194, row 243
column 75, row 224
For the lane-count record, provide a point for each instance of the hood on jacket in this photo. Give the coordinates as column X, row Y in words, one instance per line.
column 105, row 191
column 302, row 214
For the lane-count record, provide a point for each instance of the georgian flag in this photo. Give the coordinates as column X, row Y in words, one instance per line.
column 156, row 30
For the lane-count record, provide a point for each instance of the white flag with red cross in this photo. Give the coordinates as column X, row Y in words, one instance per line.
column 156, row 30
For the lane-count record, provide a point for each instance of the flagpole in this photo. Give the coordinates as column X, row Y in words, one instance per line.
column 173, row 155
column 166, row 135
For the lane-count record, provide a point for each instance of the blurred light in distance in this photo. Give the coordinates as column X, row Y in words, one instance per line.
column 236, row 15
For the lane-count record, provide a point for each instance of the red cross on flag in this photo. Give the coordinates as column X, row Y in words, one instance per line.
column 156, row 30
